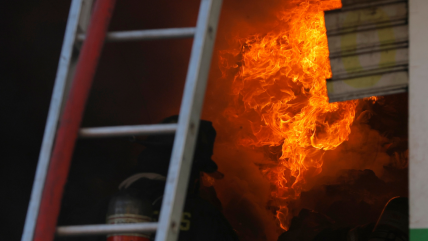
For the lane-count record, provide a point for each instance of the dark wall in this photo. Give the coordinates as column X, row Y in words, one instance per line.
column 136, row 83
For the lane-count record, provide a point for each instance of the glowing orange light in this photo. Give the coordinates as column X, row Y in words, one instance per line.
column 280, row 88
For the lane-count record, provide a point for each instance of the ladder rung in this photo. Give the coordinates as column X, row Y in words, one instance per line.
column 127, row 130
column 106, row 229
column 147, row 34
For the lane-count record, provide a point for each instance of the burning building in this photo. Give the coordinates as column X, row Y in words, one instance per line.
column 291, row 158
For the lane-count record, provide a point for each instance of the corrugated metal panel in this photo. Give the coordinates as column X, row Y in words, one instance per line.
column 368, row 43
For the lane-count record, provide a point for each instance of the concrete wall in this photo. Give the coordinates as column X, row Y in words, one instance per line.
column 418, row 122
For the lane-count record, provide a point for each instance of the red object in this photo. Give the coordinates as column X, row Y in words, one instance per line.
column 126, row 238
column 70, row 121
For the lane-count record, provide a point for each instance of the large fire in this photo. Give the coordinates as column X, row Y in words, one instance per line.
column 280, row 88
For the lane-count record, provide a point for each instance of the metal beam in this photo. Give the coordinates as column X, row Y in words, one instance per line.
column 127, row 130
column 101, row 229
column 418, row 120
column 136, row 35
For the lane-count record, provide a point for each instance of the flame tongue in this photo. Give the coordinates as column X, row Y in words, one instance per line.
column 280, row 88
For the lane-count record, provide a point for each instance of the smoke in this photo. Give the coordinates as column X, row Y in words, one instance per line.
column 356, row 181
column 244, row 193
column 362, row 174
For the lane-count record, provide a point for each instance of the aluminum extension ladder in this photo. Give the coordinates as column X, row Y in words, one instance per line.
column 87, row 30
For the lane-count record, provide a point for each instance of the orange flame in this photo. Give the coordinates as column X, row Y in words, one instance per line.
column 280, row 88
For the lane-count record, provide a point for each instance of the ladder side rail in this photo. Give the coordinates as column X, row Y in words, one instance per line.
column 62, row 77
column 70, row 122
column 188, row 123
column 85, row 16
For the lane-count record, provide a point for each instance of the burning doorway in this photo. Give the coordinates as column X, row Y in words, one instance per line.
column 282, row 146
